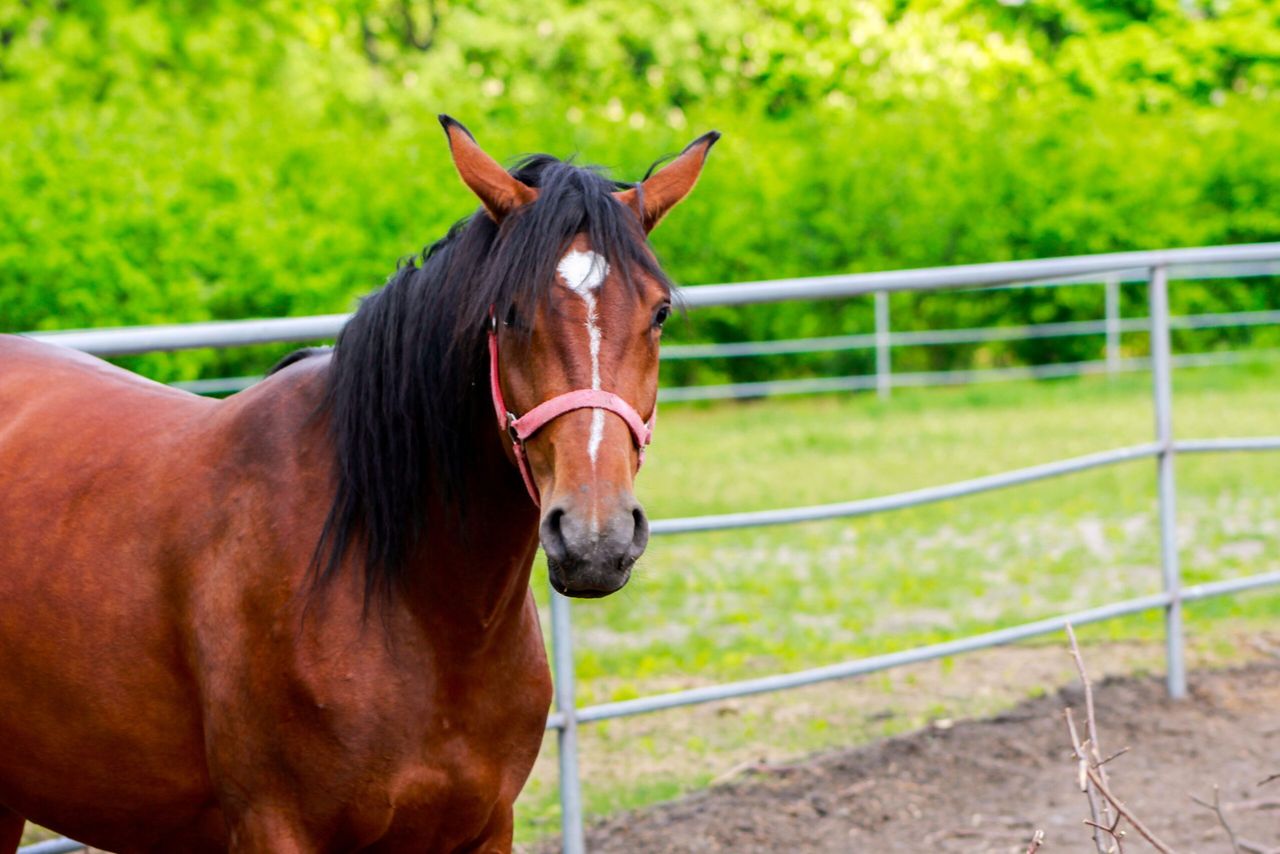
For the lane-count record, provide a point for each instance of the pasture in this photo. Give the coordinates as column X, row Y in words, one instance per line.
column 704, row 608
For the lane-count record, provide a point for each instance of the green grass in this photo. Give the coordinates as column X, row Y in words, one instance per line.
column 705, row 608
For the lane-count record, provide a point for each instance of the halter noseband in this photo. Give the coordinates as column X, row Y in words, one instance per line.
column 520, row 429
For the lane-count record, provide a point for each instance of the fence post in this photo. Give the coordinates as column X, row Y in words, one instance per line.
column 571, row 832
column 1112, row 284
column 884, row 361
column 1162, row 383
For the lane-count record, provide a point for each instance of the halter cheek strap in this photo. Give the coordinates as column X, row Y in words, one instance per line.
column 520, row 429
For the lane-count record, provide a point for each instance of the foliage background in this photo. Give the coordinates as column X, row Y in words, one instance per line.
column 176, row 161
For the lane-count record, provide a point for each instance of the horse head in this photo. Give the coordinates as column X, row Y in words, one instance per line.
column 574, row 372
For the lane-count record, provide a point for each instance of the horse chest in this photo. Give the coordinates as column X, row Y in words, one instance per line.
column 445, row 741
column 462, row 767
column 493, row 725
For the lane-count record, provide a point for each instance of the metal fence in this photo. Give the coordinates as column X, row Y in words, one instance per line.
column 884, row 340
column 1164, row 449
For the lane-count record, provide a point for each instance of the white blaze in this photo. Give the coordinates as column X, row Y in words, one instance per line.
column 584, row 272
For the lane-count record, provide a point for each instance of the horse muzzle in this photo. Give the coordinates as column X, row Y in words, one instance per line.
column 590, row 557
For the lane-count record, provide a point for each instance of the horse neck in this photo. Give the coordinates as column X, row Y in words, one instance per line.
column 472, row 575
column 469, row 578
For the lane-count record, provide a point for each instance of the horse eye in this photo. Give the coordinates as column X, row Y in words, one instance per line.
column 661, row 317
column 510, row 319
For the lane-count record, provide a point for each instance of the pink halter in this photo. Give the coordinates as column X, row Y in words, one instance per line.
column 521, row 428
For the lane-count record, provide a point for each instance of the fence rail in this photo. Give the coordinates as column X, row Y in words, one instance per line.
column 146, row 339
column 968, row 335
column 1264, row 259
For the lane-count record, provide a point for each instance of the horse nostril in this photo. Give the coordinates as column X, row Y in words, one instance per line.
column 552, row 535
column 639, row 534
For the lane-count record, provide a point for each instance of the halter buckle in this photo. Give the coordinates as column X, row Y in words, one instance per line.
column 512, row 432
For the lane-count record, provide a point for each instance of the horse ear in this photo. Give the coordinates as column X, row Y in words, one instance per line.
column 664, row 189
column 499, row 192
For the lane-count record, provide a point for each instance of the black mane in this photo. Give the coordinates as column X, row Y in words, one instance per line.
column 297, row 356
column 408, row 383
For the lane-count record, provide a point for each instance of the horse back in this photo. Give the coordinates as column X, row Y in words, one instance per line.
column 121, row 500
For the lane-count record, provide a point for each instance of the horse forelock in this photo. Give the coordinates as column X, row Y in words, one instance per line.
column 407, row 396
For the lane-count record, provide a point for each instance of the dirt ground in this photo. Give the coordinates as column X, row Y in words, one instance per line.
column 987, row 785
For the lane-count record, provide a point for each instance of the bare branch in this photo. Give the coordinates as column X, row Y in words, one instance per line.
column 1082, row 759
column 1121, row 752
column 1123, row 810
column 1114, row 831
column 1251, row 847
column 1253, row 804
column 1216, row 807
column 1091, row 722
column 1089, row 753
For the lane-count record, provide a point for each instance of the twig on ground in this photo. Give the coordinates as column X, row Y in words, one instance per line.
column 1036, row 841
column 1216, row 807
column 1270, row 779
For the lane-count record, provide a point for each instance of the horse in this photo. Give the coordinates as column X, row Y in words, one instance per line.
column 299, row 619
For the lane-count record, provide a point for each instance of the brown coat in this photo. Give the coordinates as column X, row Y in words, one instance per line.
column 165, row 686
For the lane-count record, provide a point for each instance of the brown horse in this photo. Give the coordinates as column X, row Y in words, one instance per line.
column 299, row 619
